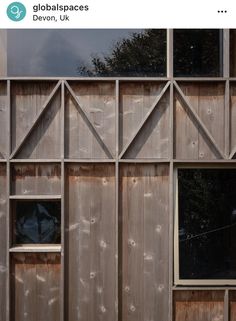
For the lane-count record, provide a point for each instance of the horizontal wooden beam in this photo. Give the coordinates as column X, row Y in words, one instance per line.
column 202, row 161
column 145, row 160
column 35, row 197
column 84, row 160
column 205, row 288
column 86, row 79
column 35, row 248
column 34, row 160
column 108, row 79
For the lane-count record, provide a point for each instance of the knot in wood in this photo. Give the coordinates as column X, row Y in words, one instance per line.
column 132, row 308
column 127, row 288
column 103, row 309
column 93, row 220
column 132, row 242
column 103, row 244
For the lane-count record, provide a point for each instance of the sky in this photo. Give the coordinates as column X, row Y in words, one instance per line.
column 59, row 52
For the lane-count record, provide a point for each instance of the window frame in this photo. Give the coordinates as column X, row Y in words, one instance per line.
column 192, row 282
column 13, row 241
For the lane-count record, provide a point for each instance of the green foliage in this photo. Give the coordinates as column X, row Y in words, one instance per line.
column 196, row 52
column 141, row 54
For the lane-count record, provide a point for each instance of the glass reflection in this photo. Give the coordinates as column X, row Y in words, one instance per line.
column 197, row 52
column 207, row 223
column 37, row 222
column 92, row 52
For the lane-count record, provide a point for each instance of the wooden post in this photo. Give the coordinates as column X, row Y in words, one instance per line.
column 3, row 53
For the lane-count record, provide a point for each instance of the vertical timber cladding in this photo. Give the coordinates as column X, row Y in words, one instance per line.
column 3, row 119
column 90, row 120
column 91, row 247
column 145, row 241
column 35, row 179
column 35, row 286
column 3, row 236
column 207, row 101
column 199, row 305
column 137, row 100
column 36, row 103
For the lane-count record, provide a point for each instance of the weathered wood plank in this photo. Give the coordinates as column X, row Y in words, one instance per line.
column 232, row 305
column 3, row 119
column 90, row 121
column 186, row 132
column 90, row 242
column 144, row 206
column 152, row 141
column 136, row 100
column 148, row 127
column 199, row 305
column 200, row 135
column 33, row 179
column 35, row 286
column 212, row 114
column 27, row 100
column 44, row 139
column 3, row 235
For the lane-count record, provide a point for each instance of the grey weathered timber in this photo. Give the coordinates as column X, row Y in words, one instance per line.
column 38, row 118
column 8, row 192
column 90, row 231
column 93, row 125
column 227, row 119
column 35, row 286
column 3, row 53
column 108, row 149
column 144, row 206
column 3, row 234
column 226, row 306
column 35, row 248
column 232, row 305
column 226, row 53
column 36, row 179
column 134, row 117
column 202, row 126
column 63, row 263
column 3, row 120
column 170, row 55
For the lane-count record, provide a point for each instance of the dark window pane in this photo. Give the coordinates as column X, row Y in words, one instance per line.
column 81, row 52
column 197, row 52
column 207, row 223
column 37, row 222
column 233, row 53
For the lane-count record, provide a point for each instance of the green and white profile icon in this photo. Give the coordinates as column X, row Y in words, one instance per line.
column 16, row 11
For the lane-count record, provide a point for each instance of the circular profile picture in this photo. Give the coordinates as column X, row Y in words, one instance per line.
column 16, row 11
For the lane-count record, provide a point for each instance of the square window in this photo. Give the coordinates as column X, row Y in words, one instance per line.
column 37, row 222
column 206, row 224
column 197, row 52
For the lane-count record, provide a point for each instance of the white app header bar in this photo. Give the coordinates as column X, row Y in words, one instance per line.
column 117, row 14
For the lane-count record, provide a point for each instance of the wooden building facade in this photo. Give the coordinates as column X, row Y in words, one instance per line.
column 106, row 151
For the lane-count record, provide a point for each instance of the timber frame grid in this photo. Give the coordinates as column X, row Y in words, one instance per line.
column 170, row 86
